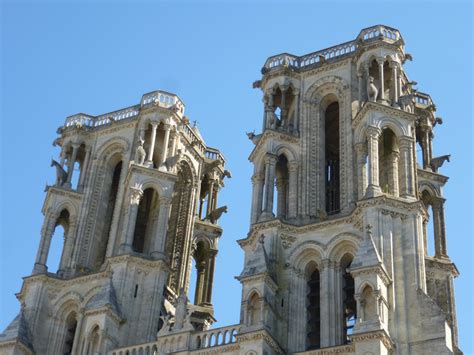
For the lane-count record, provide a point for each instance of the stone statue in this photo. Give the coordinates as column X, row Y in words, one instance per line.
column 214, row 215
column 171, row 162
column 181, row 310
column 141, row 154
column 436, row 163
column 61, row 174
column 372, row 90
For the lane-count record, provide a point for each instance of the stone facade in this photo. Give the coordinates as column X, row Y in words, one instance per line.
column 336, row 258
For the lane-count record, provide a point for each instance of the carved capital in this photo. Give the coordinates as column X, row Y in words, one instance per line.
column 136, row 194
column 165, row 201
column 293, row 166
column 271, row 159
column 373, row 132
column 405, row 143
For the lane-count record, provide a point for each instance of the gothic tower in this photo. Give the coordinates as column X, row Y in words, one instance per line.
column 341, row 204
column 344, row 214
column 136, row 196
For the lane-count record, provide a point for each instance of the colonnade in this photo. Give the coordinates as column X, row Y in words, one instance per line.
column 164, row 147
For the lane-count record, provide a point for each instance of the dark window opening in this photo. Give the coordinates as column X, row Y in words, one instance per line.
column 313, row 336
column 332, row 180
column 349, row 302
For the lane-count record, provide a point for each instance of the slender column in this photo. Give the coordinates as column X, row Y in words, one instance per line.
column 425, row 236
column 399, row 86
column 62, row 156
column 72, row 160
column 425, row 146
column 200, row 268
column 359, row 81
column 430, row 146
column 210, row 276
column 257, row 196
column 174, row 137
column 292, row 189
column 135, row 197
column 210, row 197
column 361, row 157
column 393, row 173
column 373, row 134
column 77, row 336
column 324, row 306
column 154, row 126
column 439, row 227
column 394, row 66
column 380, row 62
column 43, row 250
column 406, row 162
column 68, row 246
column 166, row 139
column 269, row 113
column 84, row 168
column 280, row 185
column 161, row 227
column 270, row 164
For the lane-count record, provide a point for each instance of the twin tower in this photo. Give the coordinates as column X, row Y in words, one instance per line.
column 340, row 256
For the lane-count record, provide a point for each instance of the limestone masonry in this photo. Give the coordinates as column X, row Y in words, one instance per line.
column 336, row 257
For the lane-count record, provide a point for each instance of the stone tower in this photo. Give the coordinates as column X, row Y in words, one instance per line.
column 136, row 194
column 337, row 255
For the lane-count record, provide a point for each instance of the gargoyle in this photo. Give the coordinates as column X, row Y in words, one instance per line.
column 438, row 162
column 252, row 136
column 214, row 215
column 227, row 174
column 61, row 174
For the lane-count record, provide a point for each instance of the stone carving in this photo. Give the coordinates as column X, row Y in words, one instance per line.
column 171, row 162
column 227, row 174
column 182, row 317
column 438, row 162
column 214, row 215
column 61, row 174
column 141, row 154
column 372, row 90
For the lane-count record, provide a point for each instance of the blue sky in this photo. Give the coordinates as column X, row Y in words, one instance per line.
column 60, row 59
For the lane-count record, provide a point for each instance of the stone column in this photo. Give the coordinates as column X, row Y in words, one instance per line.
column 200, row 268
column 77, row 335
column 70, row 163
column 380, row 62
column 62, row 156
column 154, row 126
column 399, row 86
column 84, row 168
column 439, row 226
column 425, row 236
column 210, row 197
column 280, row 186
column 393, row 173
column 166, row 139
column 292, row 189
column 135, row 197
column 394, row 66
column 406, row 177
column 68, row 247
column 425, row 146
column 257, row 197
column 361, row 158
column 325, row 327
column 373, row 134
column 210, row 276
column 158, row 248
column 359, row 88
column 47, row 231
column 270, row 164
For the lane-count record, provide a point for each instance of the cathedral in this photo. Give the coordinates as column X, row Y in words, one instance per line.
column 336, row 259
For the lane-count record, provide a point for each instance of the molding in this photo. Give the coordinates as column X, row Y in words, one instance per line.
column 390, row 111
column 380, row 335
column 432, row 176
column 260, row 335
column 271, row 133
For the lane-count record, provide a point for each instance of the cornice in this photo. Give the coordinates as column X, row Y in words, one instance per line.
column 380, row 335
column 260, row 335
column 107, row 310
column 143, row 170
column 342, row 349
column 379, row 270
column 384, row 109
column 271, row 133
column 217, row 349
column 64, row 192
column 432, row 176
column 445, row 265
column 262, row 277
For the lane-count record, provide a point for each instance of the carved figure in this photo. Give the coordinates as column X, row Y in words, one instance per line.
column 438, row 162
column 322, row 215
column 61, row 174
column 372, row 90
column 141, row 154
column 181, row 310
column 171, row 162
column 253, row 137
column 227, row 174
column 214, row 215
column 167, row 323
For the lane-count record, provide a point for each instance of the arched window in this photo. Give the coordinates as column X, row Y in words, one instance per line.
column 428, row 225
column 282, row 186
column 203, row 260
column 388, row 162
column 313, row 305
column 369, row 304
column 93, row 346
column 57, row 254
column 332, row 160
column 146, row 219
column 70, row 333
column 253, row 310
column 349, row 306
